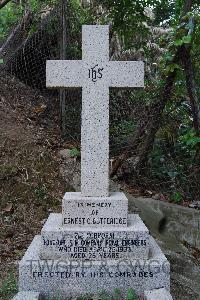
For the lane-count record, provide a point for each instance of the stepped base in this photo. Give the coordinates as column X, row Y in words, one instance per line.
column 69, row 278
column 27, row 296
column 94, row 243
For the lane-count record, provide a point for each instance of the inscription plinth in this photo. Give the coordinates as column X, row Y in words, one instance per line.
column 94, row 244
column 66, row 278
column 79, row 211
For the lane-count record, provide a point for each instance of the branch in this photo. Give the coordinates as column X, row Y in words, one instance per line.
column 3, row 3
column 187, row 7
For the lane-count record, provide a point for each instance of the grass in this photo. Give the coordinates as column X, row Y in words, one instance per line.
column 9, row 287
column 116, row 295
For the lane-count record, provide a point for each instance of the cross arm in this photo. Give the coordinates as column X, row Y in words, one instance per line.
column 64, row 73
column 126, row 74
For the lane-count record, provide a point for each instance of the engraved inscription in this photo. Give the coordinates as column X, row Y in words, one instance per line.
column 94, row 204
column 95, row 73
column 94, row 221
column 95, row 245
column 66, row 274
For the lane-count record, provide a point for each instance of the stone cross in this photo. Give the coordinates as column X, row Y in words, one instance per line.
column 95, row 73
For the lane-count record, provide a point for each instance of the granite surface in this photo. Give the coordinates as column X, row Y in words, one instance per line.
column 80, row 211
column 68, row 278
column 95, row 74
column 157, row 294
column 93, row 244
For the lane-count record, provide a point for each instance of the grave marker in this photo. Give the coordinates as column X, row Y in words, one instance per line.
column 94, row 245
column 95, row 74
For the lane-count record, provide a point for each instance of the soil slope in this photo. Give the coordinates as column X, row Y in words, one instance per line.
column 31, row 186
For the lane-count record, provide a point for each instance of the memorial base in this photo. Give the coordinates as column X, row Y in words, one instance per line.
column 69, row 278
column 94, row 243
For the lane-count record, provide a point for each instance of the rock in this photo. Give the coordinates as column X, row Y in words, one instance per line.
column 195, row 205
column 43, row 221
column 64, row 154
column 156, row 196
column 161, row 294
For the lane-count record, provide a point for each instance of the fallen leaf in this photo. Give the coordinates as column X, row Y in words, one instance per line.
column 8, row 207
column 134, row 191
column 149, row 192
column 8, row 241
column 39, row 109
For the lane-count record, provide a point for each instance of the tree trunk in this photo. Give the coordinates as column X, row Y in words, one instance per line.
column 187, row 7
column 192, row 91
column 191, row 88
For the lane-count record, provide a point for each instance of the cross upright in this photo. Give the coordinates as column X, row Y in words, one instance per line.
column 95, row 73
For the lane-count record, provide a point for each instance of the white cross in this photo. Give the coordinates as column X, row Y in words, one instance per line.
column 95, row 73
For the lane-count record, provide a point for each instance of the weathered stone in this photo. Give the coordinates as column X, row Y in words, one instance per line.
column 180, row 223
column 93, row 244
column 157, row 294
column 64, row 154
column 95, row 74
column 79, row 211
column 67, row 278
column 195, row 205
column 27, row 296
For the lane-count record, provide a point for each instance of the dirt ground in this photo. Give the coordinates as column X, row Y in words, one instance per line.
column 31, row 186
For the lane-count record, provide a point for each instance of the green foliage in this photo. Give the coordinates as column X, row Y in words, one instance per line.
column 74, row 152
column 177, row 197
column 128, row 19
column 189, row 140
column 117, row 294
column 105, row 295
column 36, row 6
column 185, row 40
column 122, row 130
column 40, row 192
column 169, row 11
column 171, row 67
column 9, row 15
column 9, row 287
column 7, row 171
column 12, row 13
column 83, row 16
column 84, row 297
column 131, row 295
